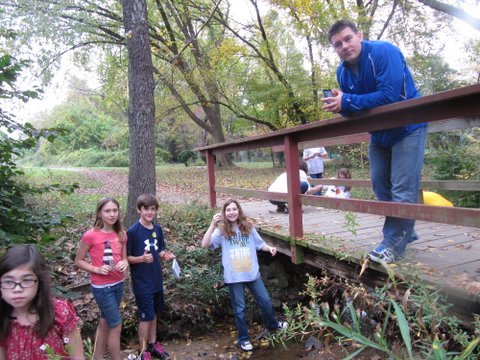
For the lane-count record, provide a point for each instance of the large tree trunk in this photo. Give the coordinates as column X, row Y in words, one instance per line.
column 141, row 107
column 214, row 117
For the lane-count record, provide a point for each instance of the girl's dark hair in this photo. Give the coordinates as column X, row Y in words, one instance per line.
column 302, row 165
column 28, row 255
column 243, row 223
column 117, row 227
column 346, row 175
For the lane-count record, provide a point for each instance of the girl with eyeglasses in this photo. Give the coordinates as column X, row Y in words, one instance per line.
column 32, row 323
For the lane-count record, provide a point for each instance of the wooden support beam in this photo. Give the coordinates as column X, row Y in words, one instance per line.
column 293, row 185
column 296, row 253
column 211, row 179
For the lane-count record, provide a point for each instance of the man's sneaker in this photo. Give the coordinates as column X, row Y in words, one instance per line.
column 245, row 345
column 382, row 255
column 145, row 355
column 157, row 350
column 282, row 325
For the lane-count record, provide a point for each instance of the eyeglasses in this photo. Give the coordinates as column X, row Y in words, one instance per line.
column 27, row 283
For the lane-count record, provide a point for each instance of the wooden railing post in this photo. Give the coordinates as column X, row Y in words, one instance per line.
column 294, row 205
column 212, row 195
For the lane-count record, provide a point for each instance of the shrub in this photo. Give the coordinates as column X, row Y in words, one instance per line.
column 187, row 157
column 418, row 328
column 20, row 223
column 454, row 156
column 194, row 301
column 93, row 157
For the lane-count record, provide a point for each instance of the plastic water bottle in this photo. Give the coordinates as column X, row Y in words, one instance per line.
column 108, row 255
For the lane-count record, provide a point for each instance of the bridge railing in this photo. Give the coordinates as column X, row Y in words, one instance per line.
column 449, row 110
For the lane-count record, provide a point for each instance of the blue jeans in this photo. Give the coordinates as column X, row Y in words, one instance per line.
column 237, row 299
column 317, row 176
column 396, row 173
column 108, row 299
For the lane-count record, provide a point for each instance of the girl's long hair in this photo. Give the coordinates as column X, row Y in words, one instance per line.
column 346, row 175
column 28, row 255
column 244, row 225
column 117, row 227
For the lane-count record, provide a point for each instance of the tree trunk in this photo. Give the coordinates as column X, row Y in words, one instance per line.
column 313, row 74
column 215, row 119
column 141, row 106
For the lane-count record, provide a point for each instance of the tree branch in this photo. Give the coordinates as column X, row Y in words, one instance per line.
column 453, row 11
column 184, row 105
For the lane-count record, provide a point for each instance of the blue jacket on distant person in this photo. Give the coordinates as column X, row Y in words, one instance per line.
column 376, row 81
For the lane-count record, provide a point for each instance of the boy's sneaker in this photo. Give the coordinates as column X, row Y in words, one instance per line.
column 282, row 325
column 245, row 345
column 382, row 255
column 157, row 350
column 145, row 355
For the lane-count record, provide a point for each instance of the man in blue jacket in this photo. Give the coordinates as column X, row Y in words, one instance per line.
column 371, row 74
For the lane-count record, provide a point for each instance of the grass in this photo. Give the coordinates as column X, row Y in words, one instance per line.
column 255, row 165
column 190, row 180
column 80, row 206
column 41, row 176
column 256, row 176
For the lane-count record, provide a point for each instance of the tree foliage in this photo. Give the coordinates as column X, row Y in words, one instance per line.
column 432, row 74
column 92, row 135
column 19, row 222
column 231, row 78
column 454, row 156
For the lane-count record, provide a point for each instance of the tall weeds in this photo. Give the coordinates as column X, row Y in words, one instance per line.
column 419, row 327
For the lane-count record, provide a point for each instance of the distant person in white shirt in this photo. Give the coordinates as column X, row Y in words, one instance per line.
column 280, row 186
column 314, row 159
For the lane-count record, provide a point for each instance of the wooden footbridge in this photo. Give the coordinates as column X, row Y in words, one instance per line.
column 446, row 256
column 336, row 234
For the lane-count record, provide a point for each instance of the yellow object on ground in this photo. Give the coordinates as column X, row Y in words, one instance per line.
column 434, row 199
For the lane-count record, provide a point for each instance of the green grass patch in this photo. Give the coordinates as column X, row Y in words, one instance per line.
column 40, row 176
column 255, row 165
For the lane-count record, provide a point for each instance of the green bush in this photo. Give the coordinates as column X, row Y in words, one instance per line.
column 19, row 222
column 187, row 157
column 162, row 156
column 454, row 156
column 92, row 157
column 194, row 301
